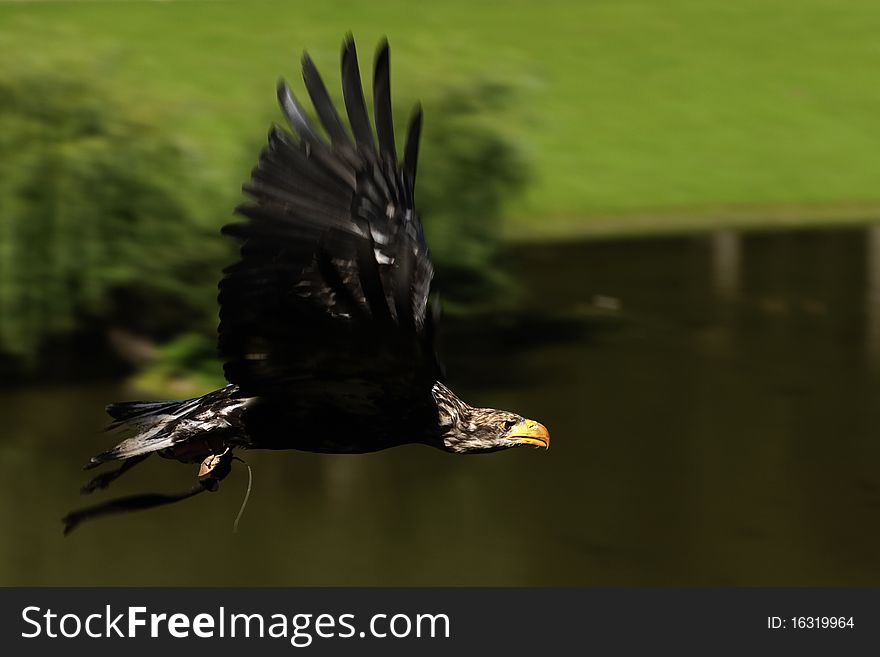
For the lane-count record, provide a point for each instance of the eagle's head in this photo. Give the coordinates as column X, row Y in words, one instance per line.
column 468, row 430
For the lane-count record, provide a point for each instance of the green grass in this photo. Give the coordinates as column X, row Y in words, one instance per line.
column 637, row 115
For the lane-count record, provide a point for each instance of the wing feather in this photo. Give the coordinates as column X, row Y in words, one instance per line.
column 411, row 150
column 296, row 115
column 353, row 93
column 330, row 118
column 334, row 276
column 382, row 103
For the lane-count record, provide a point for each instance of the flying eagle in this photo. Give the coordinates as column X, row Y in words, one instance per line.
column 327, row 320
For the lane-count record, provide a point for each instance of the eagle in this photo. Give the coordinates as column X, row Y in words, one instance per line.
column 328, row 318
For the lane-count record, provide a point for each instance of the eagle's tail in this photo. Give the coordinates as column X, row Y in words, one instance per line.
column 153, row 426
column 132, row 409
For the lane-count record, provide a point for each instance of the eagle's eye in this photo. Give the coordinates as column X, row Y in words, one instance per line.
column 507, row 425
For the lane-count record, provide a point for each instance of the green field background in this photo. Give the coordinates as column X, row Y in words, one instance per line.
column 635, row 115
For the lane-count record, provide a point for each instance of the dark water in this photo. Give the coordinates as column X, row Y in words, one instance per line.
column 713, row 403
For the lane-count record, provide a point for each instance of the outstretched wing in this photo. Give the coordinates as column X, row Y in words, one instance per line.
column 333, row 282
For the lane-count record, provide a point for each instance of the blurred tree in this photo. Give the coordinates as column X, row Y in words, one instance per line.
column 98, row 215
column 469, row 170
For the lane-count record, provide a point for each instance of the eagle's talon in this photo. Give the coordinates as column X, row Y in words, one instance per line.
column 214, row 469
column 103, row 480
column 97, row 483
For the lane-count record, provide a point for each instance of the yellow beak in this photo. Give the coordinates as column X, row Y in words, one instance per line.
column 529, row 432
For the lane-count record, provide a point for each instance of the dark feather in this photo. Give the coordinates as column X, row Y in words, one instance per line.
column 314, row 147
column 296, row 115
column 382, row 103
column 353, row 93
column 330, row 118
column 411, row 150
column 133, row 409
column 299, row 166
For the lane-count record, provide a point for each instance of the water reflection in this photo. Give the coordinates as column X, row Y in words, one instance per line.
column 872, row 296
column 716, row 425
column 726, row 263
